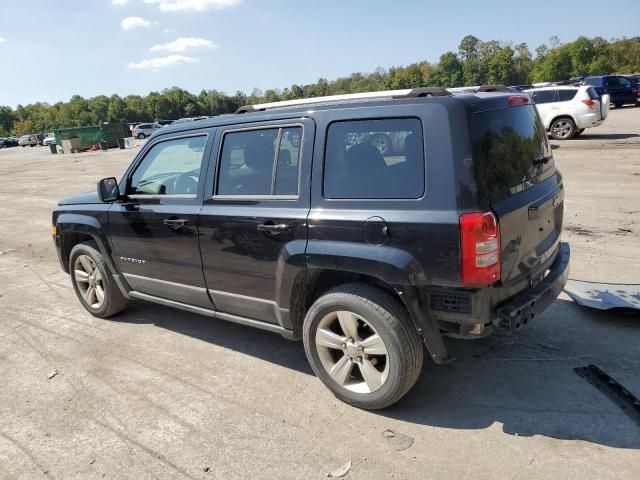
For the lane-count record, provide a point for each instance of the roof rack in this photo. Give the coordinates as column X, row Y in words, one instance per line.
column 394, row 94
column 493, row 88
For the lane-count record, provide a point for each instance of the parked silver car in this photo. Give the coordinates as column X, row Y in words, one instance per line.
column 145, row 130
column 30, row 140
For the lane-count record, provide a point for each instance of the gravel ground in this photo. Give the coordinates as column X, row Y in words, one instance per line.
column 160, row 393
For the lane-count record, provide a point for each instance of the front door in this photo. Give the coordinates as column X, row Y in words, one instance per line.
column 253, row 226
column 154, row 231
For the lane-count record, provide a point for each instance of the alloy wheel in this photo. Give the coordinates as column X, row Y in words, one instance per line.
column 562, row 128
column 352, row 352
column 89, row 281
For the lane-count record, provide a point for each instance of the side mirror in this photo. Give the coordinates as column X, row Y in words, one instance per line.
column 108, row 189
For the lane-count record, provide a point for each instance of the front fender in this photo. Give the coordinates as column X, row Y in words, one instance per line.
column 92, row 225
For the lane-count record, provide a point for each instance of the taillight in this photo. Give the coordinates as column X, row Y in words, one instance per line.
column 517, row 100
column 480, row 244
column 590, row 103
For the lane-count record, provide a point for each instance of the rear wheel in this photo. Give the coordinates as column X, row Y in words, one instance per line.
column 563, row 128
column 362, row 344
column 95, row 287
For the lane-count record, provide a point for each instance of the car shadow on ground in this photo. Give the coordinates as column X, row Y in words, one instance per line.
column 607, row 136
column 525, row 381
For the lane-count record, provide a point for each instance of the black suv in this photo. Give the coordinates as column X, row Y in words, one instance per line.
column 363, row 224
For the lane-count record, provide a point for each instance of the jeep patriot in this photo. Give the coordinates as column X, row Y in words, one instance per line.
column 366, row 225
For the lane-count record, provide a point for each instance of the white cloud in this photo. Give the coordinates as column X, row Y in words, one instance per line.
column 2, row 39
column 182, row 44
column 134, row 22
column 161, row 62
column 119, row 2
column 192, row 5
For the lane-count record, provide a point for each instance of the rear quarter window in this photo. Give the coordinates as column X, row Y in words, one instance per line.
column 566, row 95
column 377, row 158
column 509, row 150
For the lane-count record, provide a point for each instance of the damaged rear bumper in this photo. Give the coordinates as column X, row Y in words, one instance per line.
column 525, row 306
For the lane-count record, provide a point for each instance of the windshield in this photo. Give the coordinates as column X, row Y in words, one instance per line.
column 510, row 151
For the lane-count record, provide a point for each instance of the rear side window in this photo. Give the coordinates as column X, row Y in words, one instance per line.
column 260, row 162
column 543, row 96
column 592, row 81
column 374, row 159
column 566, row 95
column 509, row 150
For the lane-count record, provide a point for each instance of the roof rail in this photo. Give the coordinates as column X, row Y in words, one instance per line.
column 395, row 94
column 493, row 88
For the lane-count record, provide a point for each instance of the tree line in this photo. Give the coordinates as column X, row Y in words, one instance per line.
column 476, row 62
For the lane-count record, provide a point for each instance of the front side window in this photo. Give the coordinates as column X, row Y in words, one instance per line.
column 374, row 159
column 170, row 168
column 260, row 162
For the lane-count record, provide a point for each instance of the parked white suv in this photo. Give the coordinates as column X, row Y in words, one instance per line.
column 567, row 111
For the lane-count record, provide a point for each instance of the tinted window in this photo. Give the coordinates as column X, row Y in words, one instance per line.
column 170, row 168
column 374, row 159
column 593, row 95
column 624, row 81
column 543, row 96
column 566, row 95
column 260, row 162
column 592, row 81
column 612, row 82
column 506, row 145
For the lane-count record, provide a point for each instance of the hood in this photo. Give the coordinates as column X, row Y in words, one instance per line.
column 89, row 197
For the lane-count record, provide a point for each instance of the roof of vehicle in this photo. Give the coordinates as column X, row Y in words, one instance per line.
column 557, row 87
column 307, row 107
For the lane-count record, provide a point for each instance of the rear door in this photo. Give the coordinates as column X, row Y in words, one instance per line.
column 516, row 174
column 253, row 226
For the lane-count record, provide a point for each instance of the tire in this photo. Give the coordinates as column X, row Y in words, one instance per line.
column 563, row 128
column 618, row 105
column 578, row 132
column 367, row 312
column 141, row 136
column 113, row 301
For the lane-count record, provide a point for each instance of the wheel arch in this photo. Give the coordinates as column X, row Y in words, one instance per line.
column 563, row 115
column 73, row 228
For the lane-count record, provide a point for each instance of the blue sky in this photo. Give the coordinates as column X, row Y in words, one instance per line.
column 51, row 50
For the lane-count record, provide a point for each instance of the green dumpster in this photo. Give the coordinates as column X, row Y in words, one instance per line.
column 93, row 135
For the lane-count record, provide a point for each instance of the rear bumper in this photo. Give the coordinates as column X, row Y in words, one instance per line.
column 588, row 120
column 526, row 305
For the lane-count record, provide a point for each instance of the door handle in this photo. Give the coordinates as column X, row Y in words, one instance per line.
column 175, row 223
column 274, row 228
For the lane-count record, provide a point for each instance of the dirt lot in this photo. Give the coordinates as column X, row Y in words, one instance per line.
column 160, row 393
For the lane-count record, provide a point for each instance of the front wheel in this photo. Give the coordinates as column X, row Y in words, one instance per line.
column 563, row 128
column 95, row 287
column 362, row 344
